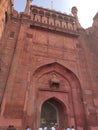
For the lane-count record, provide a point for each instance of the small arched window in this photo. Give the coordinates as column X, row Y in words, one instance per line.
column 35, row 11
column 6, row 17
column 66, row 19
column 60, row 17
column 47, row 14
column 54, row 16
column 41, row 13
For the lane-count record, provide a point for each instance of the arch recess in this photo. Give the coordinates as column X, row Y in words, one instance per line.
column 71, row 97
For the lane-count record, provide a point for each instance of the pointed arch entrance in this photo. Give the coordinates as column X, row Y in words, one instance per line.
column 54, row 84
column 53, row 111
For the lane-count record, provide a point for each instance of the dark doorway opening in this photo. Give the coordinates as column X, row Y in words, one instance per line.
column 53, row 111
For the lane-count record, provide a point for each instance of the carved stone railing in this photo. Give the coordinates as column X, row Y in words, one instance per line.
column 53, row 20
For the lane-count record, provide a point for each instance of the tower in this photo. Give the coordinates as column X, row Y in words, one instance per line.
column 27, row 8
column 5, row 9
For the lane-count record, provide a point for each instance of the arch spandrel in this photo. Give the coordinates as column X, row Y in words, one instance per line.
column 58, row 68
column 52, row 78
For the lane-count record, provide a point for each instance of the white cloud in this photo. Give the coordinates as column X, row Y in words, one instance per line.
column 86, row 11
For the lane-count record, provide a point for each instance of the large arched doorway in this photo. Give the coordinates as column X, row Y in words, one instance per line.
column 58, row 89
column 53, row 112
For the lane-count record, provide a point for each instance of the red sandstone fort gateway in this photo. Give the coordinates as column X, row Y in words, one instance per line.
column 48, row 69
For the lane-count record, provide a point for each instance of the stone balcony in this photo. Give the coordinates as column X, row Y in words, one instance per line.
column 53, row 20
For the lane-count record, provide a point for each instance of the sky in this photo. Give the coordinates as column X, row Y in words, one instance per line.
column 87, row 9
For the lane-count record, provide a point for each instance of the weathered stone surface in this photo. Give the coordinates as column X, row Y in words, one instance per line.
column 33, row 49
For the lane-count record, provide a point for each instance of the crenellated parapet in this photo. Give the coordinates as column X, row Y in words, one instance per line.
column 53, row 20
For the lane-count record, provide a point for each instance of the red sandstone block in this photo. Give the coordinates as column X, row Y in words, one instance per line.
column 94, row 128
